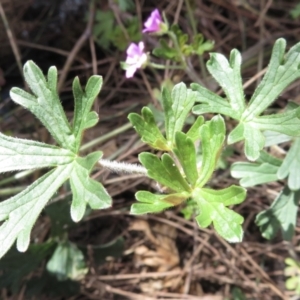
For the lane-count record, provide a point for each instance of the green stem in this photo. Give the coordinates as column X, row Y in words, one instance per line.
column 194, row 28
column 163, row 67
column 105, row 137
column 186, row 66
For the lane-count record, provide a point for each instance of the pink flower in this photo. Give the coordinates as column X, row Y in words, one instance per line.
column 153, row 22
column 136, row 58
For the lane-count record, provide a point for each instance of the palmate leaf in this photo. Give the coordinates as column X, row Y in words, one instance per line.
column 20, row 212
column 282, row 71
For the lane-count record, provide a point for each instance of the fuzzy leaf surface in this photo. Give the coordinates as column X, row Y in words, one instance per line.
column 177, row 106
column 262, row 171
column 85, row 189
column 21, row 154
column 84, row 99
column 211, row 103
column 45, row 103
column 228, row 75
column 282, row 70
column 20, row 212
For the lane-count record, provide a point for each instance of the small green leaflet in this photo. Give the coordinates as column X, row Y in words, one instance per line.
column 212, row 205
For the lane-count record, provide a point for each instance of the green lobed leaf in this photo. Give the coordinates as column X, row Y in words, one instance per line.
column 153, row 203
column 20, row 154
column 228, row 75
column 262, row 171
column 164, row 171
column 177, row 106
column 20, row 212
column 211, row 103
column 85, row 189
column 45, row 103
column 146, row 127
column 212, row 138
column 291, row 166
column 252, row 174
column 254, row 142
column 212, row 205
column 186, row 154
column 282, row 70
column 275, row 138
column 281, row 215
column 254, row 139
column 84, row 100
column 287, row 123
column 194, row 132
column 67, row 262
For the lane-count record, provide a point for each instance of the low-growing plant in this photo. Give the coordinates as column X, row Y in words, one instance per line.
column 184, row 157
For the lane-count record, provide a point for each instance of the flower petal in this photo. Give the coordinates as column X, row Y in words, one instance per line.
column 130, row 71
column 152, row 24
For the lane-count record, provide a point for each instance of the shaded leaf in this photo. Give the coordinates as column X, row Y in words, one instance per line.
column 67, row 262
column 281, row 215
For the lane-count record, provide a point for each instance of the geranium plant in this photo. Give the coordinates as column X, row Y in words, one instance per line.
column 183, row 160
